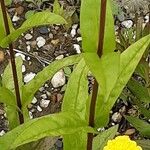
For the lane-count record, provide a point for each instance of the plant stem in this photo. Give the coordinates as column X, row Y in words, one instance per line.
column 95, row 86
column 13, row 64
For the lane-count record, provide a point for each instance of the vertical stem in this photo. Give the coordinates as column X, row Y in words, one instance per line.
column 95, row 86
column 13, row 64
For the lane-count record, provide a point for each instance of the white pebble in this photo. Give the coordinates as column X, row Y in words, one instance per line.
column 44, row 96
column 79, row 39
column 19, row 54
column 147, row 19
column 116, row 117
column 41, row 89
column 28, row 58
column 75, row 26
column 77, row 48
column 40, row 41
column 39, row 108
column 2, row 133
column 29, row 76
column 73, row 32
column 30, row 115
column 28, row 48
column 23, row 68
column 28, row 36
column 58, row 79
column 128, row 23
column 59, row 57
column 34, row 100
column 15, row 18
column 44, row 103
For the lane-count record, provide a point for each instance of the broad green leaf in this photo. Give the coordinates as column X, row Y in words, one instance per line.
column 129, row 59
column 139, row 91
column 51, row 125
column 101, row 140
column 77, row 90
column 7, row 78
column 145, row 144
column 142, row 126
column 8, row 98
column 56, row 7
column 46, row 18
column 47, row 73
column 75, row 99
column 90, row 10
column 2, row 27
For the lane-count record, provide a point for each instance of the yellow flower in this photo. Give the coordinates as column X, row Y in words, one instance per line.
column 122, row 143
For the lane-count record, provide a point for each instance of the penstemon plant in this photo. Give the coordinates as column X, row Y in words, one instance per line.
column 111, row 70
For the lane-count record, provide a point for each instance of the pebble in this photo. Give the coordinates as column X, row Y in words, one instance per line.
column 20, row 10
column 44, row 96
column 23, row 68
column 75, row 26
column 2, row 112
column 59, row 97
column 2, row 133
column 29, row 76
column 116, row 117
column 44, row 103
column 128, row 23
column 77, row 48
column 130, row 132
column 51, row 36
column 28, row 48
column 58, row 79
column 1, row 56
column 73, row 32
column 146, row 18
column 34, row 100
column 33, row 44
column 28, row 36
column 41, row 89
column 55, row 42
column 59, row 57
column 43, row 30
column 15, row 18
column 39, row 108
column 79, row 39
column 40, row 41
column 19, row 54
column 28, row 58
column 30, row 115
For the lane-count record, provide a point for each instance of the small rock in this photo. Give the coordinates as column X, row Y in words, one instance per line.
column 79, row 39
column 48, row 93
column 19, row 54
column 55, row 42
column 33, row 44
column 34, row 101
column 28, row 58
column 43, row 30
column 77, row 48
column 130, row 132
column 75, row 26
column 2, row 133
column 44, row 103
column 59, row 57
column 116, row 117
column 73, row 32
column 30, row 115
column 28, row 48
column 2, row 112
column 44, row 96
column 41, row 89
column 39, row 108
column 40, row 41
column 59, row 97
column 146, row 18
column 29, row 76
column 19, row 10
column 28, row 36
column 51, row 36
column 58, row 79
column 46, row 85
column 15, row 18
column 23, row 68
column 128, row 23
column 1, row 56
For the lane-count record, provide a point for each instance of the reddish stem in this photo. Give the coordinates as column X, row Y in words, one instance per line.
column 13, row 64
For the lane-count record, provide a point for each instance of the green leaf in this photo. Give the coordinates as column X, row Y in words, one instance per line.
column 75, row 99
column 56, row 7
column 129, row 59
column 50, row 125
column 2, row 27
column 145, row 144
column 46, row 18
column 8, row 2
column 90, row 10
column 8, row 98
column 139, row 91
column 142, row 126
column 29, row 13
column 101, row 140
column 47, row 73
column 7, row 78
